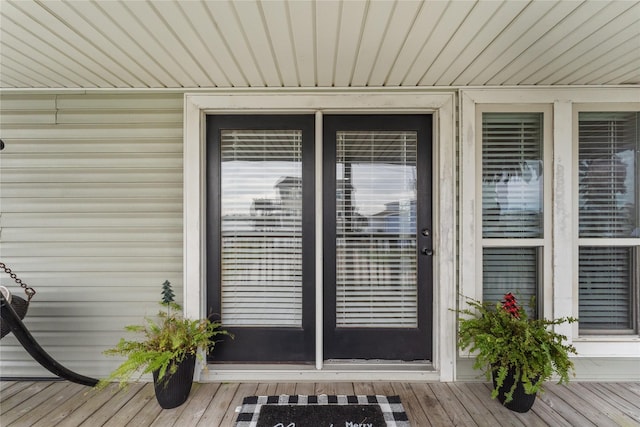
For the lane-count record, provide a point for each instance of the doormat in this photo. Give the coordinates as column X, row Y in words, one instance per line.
column 322, row 411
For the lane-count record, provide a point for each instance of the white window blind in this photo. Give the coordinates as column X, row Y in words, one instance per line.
column 608, row 174
column 605, row 295
column 512, row 270
column 261, row 227
column 512, row 184
column 608, row 166
column 376, row 271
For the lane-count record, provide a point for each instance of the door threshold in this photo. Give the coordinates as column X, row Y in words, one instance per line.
column 331, row 371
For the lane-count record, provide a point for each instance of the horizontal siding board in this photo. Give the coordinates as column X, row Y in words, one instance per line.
column 99, row 130
column 92, row 249
column 115, row 174
column 26, row 102
column 91, row 218
column 97, row 190
column 84, row 219
column 12, row 117
column 85, row 160
column 96, row 145
column 46, row 205
column 120, row 116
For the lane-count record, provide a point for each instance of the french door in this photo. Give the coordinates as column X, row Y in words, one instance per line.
column 260, row 231
column 261, row 222
column 378, row 237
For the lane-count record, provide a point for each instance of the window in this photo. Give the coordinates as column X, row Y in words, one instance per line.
column 513, row 214
column 609, row 221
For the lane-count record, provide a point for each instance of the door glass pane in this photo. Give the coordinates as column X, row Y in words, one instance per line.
column 376, row 271
column 261, row 227
column 512, row 184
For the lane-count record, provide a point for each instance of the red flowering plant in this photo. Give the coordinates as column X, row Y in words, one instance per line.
column 504, row 340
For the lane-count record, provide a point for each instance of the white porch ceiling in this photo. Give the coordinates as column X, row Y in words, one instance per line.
column 321, row 43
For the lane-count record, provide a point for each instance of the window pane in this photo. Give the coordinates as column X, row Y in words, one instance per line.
column 261, row 207
column 606, row 276
column 512, row 184
column 608, row 174
column 512, row 270
column 376, row 271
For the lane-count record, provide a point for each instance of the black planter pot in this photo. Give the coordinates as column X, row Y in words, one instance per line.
column 173, row 390
column 522, row 401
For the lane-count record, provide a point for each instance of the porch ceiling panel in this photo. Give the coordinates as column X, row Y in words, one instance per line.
column 328, row 43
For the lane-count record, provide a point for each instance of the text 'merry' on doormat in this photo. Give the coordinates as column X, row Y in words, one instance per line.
column 322, row 411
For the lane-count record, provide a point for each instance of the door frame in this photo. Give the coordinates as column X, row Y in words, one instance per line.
column 328, row 101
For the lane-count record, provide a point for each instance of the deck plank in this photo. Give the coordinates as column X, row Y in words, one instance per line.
column 530, row 418
column 108, row 408
column 66, row 408
column 42, row 413
column 457, row 413
column 18, row 398
column 63, row 404
column 365, row 389
column 592, row 412
column 267, row 389
column 563, row 408
column 624, row 391
column 481, row 391
column 412, row 405
column 621, row 405
column 603, row 405
column 147, row 415
column 286, row 388
column 10, row 388
column 29, row 408
column 244, row 390
column 198, row 402
column 547, row 414
column 429, row 403
column 132, row 407
column 306, row 388
column 92, row 401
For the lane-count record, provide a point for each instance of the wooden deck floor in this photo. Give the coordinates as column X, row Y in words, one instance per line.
column 63, row 404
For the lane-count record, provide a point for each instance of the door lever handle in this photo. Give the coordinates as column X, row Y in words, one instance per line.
column 427, row 251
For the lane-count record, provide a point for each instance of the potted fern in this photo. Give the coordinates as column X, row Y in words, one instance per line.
column 518, row 353
column 169, row 349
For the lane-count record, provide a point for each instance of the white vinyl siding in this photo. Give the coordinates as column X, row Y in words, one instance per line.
column 91, row 217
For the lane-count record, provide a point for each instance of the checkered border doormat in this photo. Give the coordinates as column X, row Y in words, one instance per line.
column 391, row 407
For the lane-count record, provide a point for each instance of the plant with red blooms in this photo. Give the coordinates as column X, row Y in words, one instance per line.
column 502, row 337
column 510, row 304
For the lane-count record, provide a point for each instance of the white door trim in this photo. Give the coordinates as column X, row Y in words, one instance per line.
column 318, row 102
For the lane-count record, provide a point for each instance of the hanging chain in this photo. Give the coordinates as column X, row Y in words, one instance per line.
column 27, row 289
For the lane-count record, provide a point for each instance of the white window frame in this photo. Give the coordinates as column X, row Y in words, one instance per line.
column 604, row 335
column 564, row 266
column 440, row 103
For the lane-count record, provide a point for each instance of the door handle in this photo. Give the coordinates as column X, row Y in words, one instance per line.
column 427, row 251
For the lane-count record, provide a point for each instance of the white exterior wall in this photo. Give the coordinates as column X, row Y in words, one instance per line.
column 90, row 216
